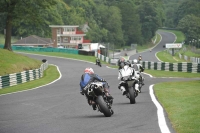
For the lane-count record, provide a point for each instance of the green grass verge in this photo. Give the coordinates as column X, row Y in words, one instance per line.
column 166, row 57
column 50, row 74
column 158, row 38
column 181, row 102
column 141, row 48
column 11, row 62
column 67, row 55
column 190, row 53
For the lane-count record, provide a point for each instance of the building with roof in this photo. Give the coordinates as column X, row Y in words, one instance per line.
column 69, row 36
column 34, row 41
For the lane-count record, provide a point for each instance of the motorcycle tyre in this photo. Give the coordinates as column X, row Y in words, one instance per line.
column 104, row 108
column 132, row 95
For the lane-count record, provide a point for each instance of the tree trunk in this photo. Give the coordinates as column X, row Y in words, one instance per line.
column 8, row 33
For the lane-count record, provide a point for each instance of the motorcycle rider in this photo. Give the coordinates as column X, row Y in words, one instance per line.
column 126, row 70
column 97, row 61
column 123, row 60
column 140, row 58
column 138, row 68
column 88, row 77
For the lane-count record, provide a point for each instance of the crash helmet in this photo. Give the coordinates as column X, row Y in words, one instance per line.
column 135, row 61
column 122, row 63
column 89, row 70
column 140, row 56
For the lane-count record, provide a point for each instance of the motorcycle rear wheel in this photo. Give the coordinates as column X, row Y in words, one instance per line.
column 132, row 95
column 104, row 108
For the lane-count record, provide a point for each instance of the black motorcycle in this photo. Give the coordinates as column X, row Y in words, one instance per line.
column 95, row 90
column 98, row 62
column 128, row 82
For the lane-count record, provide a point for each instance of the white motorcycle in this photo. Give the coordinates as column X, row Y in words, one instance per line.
column 129, row 85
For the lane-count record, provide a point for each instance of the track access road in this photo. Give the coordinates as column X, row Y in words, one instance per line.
column 166, row 37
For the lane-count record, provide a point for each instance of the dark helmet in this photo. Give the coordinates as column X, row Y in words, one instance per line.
column 121, row 62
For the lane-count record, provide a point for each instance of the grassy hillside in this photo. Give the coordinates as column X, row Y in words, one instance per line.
column 11, row 62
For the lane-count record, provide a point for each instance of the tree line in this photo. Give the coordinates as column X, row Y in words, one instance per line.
column 120, row 22
column 184, row 15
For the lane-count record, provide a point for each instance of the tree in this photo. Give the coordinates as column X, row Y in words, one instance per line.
column 190, row 26
column 19, row 10
column 130, row 23
column 150, row 19
column 187, row 8
column 109, row 18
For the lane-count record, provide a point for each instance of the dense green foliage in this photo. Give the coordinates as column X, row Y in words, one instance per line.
column 116, row 22
column 185, row 16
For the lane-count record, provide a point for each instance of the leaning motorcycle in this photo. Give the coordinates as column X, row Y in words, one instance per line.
column 129, row 83
column 103, row 103
column 98, row 62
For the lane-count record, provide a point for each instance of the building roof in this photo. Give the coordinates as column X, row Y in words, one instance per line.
column 33, row 40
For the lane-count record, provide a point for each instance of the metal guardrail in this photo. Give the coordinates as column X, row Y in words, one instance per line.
column 191, row 59
column 22, row 77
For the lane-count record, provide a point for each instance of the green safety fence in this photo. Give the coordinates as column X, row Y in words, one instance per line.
column 42, row 49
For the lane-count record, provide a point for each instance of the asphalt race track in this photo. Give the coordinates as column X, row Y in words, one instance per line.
column 60, row 108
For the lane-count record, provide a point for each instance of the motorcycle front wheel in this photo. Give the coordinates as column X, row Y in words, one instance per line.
column 103, row 107
column 132, row 95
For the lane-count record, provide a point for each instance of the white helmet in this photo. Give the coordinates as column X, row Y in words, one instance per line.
column 135, row 61
column 89, row 70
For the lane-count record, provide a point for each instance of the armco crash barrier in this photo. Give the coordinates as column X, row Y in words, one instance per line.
column 165, row 66
column 25, row 76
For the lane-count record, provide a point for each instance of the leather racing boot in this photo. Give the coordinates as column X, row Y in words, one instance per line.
column 108, row 94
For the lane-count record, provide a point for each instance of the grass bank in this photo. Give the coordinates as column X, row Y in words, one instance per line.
column 167, row 57
column 11, row 62
column 181, row 102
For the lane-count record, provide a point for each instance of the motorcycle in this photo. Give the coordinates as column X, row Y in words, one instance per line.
column 139, row 59
column 98, row 62
column 129, row 84
column 103, row 103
